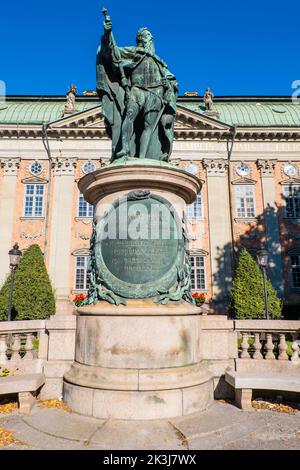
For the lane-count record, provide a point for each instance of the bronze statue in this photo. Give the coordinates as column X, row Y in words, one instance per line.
column 138, row 95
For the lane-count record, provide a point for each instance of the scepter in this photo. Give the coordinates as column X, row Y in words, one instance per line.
column 117, row 54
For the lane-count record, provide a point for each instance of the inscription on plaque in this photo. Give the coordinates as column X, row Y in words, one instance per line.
column 140, row 244
column 139, row 261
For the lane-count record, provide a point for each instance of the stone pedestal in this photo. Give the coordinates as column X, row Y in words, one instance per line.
column 141, row 360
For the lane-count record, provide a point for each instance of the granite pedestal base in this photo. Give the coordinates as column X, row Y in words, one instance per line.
column 139, row 361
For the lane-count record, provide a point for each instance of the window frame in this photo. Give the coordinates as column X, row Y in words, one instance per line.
column 291, row 270
column 88, row 207
column 286, row 197
column 191, row 209
column 34, row 173
column 201, row 269
column 34, row 205
column 237, row 200
column 89, row 162
column 76, row 268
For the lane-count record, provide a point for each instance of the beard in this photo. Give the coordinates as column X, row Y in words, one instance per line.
column 148, row 45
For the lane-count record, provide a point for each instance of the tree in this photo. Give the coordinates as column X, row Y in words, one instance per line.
column 247, row 293
column 33, row 296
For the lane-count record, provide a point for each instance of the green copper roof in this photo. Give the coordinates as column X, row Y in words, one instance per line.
column 239, row 111
column 37, row 112
column 254, row 114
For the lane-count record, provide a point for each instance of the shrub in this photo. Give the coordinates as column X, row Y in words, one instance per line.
column 247, row 293
column 33, row 296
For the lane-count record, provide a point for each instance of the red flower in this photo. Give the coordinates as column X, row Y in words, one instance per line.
column 79, row 298
column 199, row 297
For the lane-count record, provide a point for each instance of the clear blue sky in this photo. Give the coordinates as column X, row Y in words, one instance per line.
column 235, row 47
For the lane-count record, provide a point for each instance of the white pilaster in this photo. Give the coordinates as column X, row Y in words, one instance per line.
column 270, row 217
column 7, row 207
column 219, row 227
column 60, row 234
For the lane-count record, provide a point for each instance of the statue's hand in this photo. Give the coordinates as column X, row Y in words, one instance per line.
column 107, row 26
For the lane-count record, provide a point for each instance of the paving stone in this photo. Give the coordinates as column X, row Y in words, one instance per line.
column 217, row 417
column 222, row 426
column 36, row 440
column 222, row 436
column 61, row 424
column 136, row 435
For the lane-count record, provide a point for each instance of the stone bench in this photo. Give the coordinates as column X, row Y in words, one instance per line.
column 245, row 382
column 26, row 386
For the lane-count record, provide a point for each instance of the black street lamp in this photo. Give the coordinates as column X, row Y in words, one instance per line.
column 14, row 260
column 263, row 257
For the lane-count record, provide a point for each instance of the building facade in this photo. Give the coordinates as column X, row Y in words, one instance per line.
column 247, row 154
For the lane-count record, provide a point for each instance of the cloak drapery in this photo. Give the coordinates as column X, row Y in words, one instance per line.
column 112, row 95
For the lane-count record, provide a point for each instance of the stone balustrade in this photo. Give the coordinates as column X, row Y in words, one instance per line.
column 39, row 346
column 263, row 346
column 19, row 353
column 270, row 339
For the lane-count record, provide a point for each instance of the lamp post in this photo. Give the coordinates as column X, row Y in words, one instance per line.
column 262, row 257
column 14, row 260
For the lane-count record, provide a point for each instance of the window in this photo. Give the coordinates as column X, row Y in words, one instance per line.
column 194, row 210
column 34, row 200
column 291, row 194
column 197, row 272
column 84, row 208
column 81, row 282
column 88, row 167
column 191, row 168
column 244, row 200
column 36, row 168
column 295, row 263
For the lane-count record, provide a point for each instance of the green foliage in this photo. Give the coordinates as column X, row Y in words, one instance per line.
column 4, row 372
column 33, row 296
column 247, row 293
